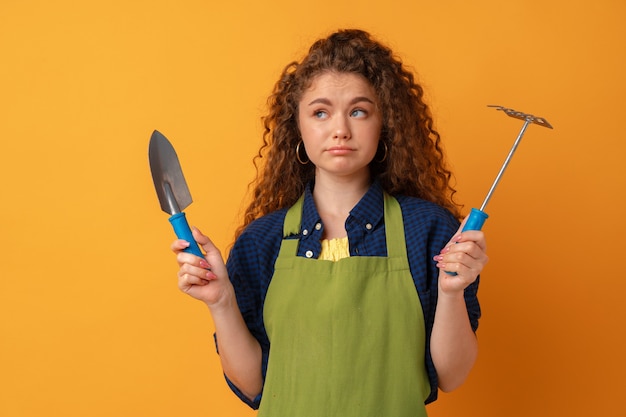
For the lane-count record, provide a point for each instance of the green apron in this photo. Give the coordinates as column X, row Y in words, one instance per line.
column 346, row 337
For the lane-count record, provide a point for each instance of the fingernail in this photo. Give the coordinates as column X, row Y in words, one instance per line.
column 210, row 275
column 437, row 258
column 444, row 250
column 204, row 264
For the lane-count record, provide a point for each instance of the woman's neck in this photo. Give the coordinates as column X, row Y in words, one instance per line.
column 334, row 199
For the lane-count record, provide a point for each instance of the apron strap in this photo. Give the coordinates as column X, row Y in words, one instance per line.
column 394, row 223
column 293, row 218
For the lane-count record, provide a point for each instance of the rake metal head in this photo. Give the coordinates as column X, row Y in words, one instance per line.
column 523, row 116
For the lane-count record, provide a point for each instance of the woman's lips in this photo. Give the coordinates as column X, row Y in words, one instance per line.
column 340, row 150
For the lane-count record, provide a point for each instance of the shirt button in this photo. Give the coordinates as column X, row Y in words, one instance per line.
column 309, row 254
column 368, row 226
column 318, row 226
column 305, row 232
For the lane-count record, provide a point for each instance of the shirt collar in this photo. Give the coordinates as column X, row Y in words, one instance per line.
column 368, row 212
column 310, row 215
column 371, row 208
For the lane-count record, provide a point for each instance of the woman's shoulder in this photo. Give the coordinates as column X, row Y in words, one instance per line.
column 266, row 226
column 259, row 242
column 420, row 211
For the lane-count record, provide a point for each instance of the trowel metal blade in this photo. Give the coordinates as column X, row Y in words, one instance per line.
column 169, row 181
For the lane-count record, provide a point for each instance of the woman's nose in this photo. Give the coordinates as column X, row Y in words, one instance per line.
column 341, row 130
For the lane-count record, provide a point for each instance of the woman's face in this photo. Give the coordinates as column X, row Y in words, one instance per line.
column 340, row 123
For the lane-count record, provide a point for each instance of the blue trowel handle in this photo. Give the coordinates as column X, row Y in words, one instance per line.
column 474, row 222
column 182, row 230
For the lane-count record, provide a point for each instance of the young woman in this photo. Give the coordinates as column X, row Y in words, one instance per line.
column 335, row 300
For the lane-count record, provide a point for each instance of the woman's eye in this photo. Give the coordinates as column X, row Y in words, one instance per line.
column 320, row 114
column 358, row 113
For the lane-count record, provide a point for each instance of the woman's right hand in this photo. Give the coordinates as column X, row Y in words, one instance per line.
column 205, row 279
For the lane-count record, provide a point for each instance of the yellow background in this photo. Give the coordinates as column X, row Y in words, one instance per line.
column 91, row 321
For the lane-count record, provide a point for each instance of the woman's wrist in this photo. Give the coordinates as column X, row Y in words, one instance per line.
column 226, row 304
column 451, row 295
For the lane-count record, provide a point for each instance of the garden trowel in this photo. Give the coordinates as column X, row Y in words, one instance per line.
column 171, row 187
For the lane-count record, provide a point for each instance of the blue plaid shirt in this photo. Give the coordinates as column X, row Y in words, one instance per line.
column 427, row 227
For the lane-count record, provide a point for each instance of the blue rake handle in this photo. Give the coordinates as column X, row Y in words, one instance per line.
column 475, row 221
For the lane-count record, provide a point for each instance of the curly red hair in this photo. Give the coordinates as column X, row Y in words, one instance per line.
column 415, row 162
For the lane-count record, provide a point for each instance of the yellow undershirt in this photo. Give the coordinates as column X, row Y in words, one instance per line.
column 334, row 249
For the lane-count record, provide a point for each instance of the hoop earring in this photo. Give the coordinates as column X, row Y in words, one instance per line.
column 381, row 160
column 298, row 154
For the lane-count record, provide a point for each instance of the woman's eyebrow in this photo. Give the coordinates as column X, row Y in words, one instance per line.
column 324, row 100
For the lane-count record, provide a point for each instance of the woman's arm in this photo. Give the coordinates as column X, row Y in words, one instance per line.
column 453, row 344
column 239, row 351
column 207, row 280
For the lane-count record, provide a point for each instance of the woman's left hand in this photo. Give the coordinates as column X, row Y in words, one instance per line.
column 464, row 255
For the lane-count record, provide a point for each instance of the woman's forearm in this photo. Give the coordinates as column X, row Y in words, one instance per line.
column 453, row 344
column 239, row 351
